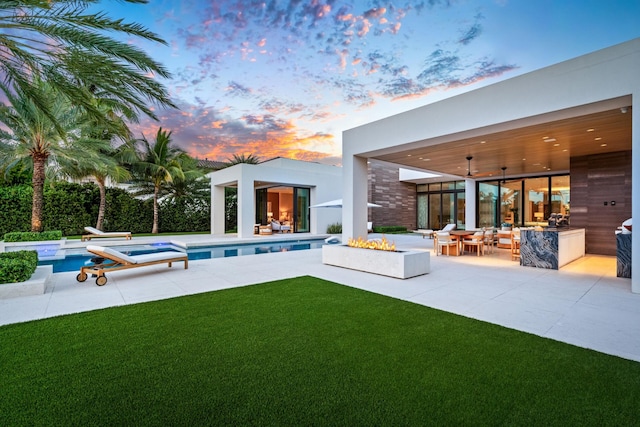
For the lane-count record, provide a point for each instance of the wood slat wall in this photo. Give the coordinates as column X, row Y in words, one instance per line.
column 595, row 180
column 398, row 199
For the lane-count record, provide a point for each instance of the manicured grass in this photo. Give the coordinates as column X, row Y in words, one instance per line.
column 301, row 352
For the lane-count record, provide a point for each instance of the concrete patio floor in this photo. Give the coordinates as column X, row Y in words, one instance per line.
column 584, row 303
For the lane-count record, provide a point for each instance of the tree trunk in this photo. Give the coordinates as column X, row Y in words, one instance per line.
column 103, row 202
column 156, row 190
column 37, row 207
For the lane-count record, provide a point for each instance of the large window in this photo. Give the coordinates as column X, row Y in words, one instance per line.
column 560, row 201
column 487, row 204
column 286, row 204
column 301, row 209
column 522, row 202
column 440, row 204
column 536, row 201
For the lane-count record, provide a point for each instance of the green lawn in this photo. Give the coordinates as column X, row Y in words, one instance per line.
column 301, row 352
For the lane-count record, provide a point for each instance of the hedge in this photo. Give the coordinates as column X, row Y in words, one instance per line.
column 70, row 207
column 31, row 236
column 391, row 229
column 17, row 266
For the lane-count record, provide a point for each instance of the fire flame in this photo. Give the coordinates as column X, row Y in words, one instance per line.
column 379, row 245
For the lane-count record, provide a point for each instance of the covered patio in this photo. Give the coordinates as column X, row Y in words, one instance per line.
column 576, row 117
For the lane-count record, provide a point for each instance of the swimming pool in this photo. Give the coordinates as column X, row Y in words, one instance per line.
column 73, row 260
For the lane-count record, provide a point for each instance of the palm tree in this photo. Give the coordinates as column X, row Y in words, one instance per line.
column 194, row 187
column 60, row 42
column 242, row 158
column 110, row 128
column 32, row 140
column 158, row 164
column 105, row 167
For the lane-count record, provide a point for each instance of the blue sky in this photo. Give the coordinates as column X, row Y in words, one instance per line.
column 285, row 78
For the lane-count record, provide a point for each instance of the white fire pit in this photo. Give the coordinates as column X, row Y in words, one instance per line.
column 398, row 264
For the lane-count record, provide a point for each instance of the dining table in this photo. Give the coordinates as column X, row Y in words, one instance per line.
column 459, row 235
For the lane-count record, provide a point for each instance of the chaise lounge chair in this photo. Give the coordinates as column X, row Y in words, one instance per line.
column 94, row 232
column 113, row 260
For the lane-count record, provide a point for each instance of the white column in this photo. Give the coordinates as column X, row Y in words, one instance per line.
column 354, row 197
column 218, row 206
column 470, row 203
column 635, row 194
column 246, row 206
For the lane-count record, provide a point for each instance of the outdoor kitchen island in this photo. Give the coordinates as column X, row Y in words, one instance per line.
column 551, row 248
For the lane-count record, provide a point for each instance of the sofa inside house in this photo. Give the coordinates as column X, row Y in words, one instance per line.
column 280, row 226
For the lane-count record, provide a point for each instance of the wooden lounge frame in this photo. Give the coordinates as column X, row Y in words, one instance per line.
column 94, row 232
column 114, row 260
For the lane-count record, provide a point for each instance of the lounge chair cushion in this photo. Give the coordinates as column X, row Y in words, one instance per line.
column 135, row 259
column 111, row 253
column 97, row 232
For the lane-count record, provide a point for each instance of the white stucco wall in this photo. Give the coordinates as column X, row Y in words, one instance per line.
column 324, row 181
column 599, row 81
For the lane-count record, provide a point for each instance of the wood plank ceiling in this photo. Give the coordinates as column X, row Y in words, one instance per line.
column 540, row 149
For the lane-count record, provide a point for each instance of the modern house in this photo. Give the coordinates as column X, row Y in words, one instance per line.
column 557, row 140
column 282, row 189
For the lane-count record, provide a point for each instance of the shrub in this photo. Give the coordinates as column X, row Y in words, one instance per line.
column 390, row 229
column 32, row 236
column 17, row 266
column 15, row 208
column 334, row 228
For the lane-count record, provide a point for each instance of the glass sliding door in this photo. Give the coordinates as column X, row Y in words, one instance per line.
column 441, row 204
column 301, row 212
column 435, row 217
column 461, row 222
column 423, row 213
column 488, row 204
column 448, row 209
column 261, row 206
column 510, row 202
column 536, row 201
column 560, row 200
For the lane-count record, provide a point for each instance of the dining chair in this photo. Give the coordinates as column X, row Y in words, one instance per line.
column 515, row 244
column 475, row 240
column 444, row 239
column 489, row 239
column 445, row 229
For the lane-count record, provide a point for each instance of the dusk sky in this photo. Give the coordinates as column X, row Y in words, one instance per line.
column 286, row 78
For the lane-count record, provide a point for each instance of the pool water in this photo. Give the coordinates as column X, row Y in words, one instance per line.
column 73, row 261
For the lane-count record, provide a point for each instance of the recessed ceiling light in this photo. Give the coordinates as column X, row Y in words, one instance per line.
column 426, row 160
column 549, row 140
column 536, row 164
column 590, row 130
column 524, row 159
column 483, row 142
column 603, row 145
column 556, row 145
column 564, row 150
column 597, row 138
column 408, row 155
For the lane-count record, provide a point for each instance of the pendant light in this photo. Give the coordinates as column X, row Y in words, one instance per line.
column 469, row 165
